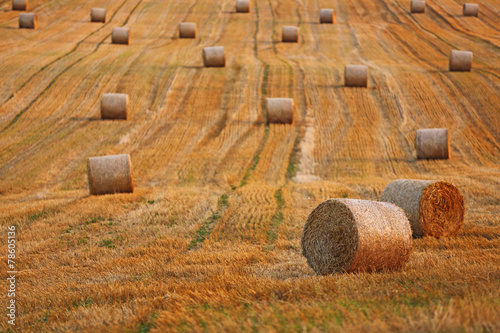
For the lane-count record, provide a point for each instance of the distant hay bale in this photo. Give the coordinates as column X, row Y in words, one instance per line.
column 187, row 30
column 290, row 34
column 110, row 174
column 98, row 15
column 114, row 106
column 417, row 6
column 214, row 56
column 28, row 21
column 434, row 208
column 279, row 110
column 350, row 235
column 242, row 6
column 120, row 35
column 432, row 143
column 356, row 76
column 460, row 61
column 20, row 5
column 471, row 9
column 327, row 16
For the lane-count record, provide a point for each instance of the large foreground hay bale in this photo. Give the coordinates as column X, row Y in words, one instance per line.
column 28, row 21
column 114, row 106
column 460, row 61
column 434, row 208
column 417, row 6
column 279, row 110
column 242, row 6
column 98, row 15
column 349, row 235
column 20, row 5
column 356, row 76
column 327, row 15
column 120, row 35
column 214, row 56
column 290, row 34
column 432, row 143
column 471, row 9
column 110, row 174
column 187, row 30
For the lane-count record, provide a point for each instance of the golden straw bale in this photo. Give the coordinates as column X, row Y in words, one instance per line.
column 120, row 35
column 28, row 21
column 417, row 6
column 187, row 30
column 98, row 15
column 114, row 106
column 242, row 6
column 214, row 56
column 434, row 208
column 110, row 174
column 471, row 9
column 350, row 235
column 19, row 4
column 327, row 16
column 290, row 34
column 356, row 76
column 460, row 61
column 279, row 110
column 432, row 143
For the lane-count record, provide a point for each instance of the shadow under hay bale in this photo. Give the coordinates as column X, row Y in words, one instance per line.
column 28, row 21
column 356, row 76
column 471, row 9
column 460, row 61
column 214, row 56
column 110, row 174
column 187, row 30
column 98, row 15
column 120, row 35
column 290, row 34
column 114, row 106
column 243, row 6
column 434, row 208
column 432, row 143
column 279, row 110
column 349, row 235
column 20, row 5
column 327, row 15
column 417, row 6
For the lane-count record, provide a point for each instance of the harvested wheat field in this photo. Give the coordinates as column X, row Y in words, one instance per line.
column 210, row 238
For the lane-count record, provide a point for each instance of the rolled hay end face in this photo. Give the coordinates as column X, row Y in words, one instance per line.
column 327, row 15
column 356, row 76
column 214, row 56
column 120, row 35
column 279, row 110
column 471, row 9
column 432, row 143
column 98, row 15
column 349, row 235
column 460, row 61
column 187, row 30
column 110, row 174
column 242, row 6
column 290, row 34
column 28, row 21
column 114, row 106
column 20, row 5
column 434, row 208
column 417, row 6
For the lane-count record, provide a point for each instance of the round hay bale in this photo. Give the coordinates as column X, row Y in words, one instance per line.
column 279, row 110
column 434, row 208
column 471, row 9
column 460, row 61
column 28, row 21
column 242, row 6
column 290, row 34
column 20, row 5
column 349, row 235
column 120, row 35
column 417, row 6
column 98, row 15
column 214, row 56
column 327, row 16
column 114, row 106
column 356, row 76
column 187, row 30
column 432, row 143
column 110, row 174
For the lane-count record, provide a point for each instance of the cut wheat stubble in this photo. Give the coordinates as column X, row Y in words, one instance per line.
column 110, row 174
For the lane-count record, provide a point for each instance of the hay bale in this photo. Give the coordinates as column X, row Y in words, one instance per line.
column 434, row 208
column 187, row 30
column 290, row 34
column 242, row 6
column 460, row 61
column 279, row 110
column 20, row 5
column 98, row 15
column 471, row 9
column 120, row 35
column 214, row 56
column 356, row 76
column 432, row 143
column 114, row 106
column 28, row 21
column 417, row 6
column 110, row 174
column 327, row 16
column 349, row 235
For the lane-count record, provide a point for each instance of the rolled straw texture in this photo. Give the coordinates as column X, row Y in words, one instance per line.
column 356, row 76
column 434, row 208
column 432, row 143
column 417, row 6
column 110, row 174
column 327, row 16
column 19, row 4
column 120, row 35
column 290, row 34
column 114, row 106
column 243, row 6
column 187, row 30
column 349, row 235
column 471, row 9
column 98, row 15
column 214, row 56
column 460, row 61
column 279, row 110
column 28, row 21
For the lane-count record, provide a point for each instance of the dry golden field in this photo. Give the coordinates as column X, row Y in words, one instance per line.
column 210, row 239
